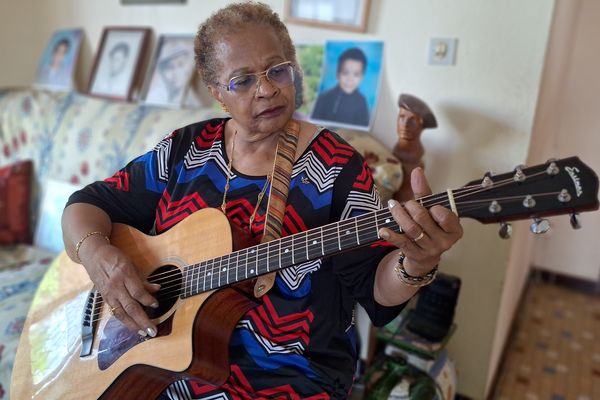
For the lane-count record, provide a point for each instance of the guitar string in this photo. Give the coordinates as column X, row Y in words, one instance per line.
column 462, row 193
column 429, row 201
column 252, row 258
column 458, row 193
column 179, row 278
column 178, row 282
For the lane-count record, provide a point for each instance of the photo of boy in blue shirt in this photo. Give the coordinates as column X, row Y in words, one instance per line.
column 344, row 102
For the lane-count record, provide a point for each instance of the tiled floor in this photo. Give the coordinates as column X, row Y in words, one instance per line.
column 554, row 353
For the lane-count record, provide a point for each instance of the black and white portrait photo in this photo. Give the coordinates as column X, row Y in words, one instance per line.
column 171, row 71
column 117, row 62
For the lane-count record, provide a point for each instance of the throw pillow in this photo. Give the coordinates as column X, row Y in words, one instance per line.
column 48, row 234
column 15, row 190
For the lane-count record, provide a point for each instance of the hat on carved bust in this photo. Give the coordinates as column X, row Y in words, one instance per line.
column 419, row 107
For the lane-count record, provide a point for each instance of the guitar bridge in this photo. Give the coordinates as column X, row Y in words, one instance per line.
column 89, row 322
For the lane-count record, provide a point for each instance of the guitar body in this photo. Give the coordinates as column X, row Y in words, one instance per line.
column 193, row 333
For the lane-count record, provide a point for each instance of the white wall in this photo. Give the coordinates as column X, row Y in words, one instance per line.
column 485, row 106
column 567, row 124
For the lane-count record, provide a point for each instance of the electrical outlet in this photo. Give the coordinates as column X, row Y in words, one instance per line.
column 442, row 51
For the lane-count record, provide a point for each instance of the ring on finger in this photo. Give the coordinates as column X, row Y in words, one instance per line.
column 111, row 310
column 421, row 236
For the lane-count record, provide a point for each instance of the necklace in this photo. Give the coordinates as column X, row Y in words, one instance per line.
column 229, row 173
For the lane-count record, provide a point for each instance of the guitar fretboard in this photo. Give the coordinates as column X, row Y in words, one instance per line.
column 272, row 256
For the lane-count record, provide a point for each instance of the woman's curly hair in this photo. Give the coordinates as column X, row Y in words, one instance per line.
column 232, row 18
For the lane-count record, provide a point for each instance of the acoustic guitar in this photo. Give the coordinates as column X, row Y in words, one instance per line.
column 73, row 348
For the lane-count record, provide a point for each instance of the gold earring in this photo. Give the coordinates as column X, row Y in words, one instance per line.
column 224, row 108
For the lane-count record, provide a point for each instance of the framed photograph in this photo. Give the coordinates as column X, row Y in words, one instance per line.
column 310, row 58
column 349, row 15
column 350, row 82
column 57, row 66
column 171, row 71
column 116, row 70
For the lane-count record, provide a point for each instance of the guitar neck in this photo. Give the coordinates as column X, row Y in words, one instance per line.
column 556, row 187
column 281, row 253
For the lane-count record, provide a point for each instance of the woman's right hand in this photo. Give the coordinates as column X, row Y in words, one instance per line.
column 120, row 285
column 124, row 291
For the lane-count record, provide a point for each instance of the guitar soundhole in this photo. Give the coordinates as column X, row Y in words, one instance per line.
column 169, row 278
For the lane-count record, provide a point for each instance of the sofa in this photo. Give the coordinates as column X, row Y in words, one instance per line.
column 56, row 142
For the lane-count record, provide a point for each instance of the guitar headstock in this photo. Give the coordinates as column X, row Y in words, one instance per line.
column 565, row 186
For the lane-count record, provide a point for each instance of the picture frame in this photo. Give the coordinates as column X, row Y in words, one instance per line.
column 116, row 71
column 350, row 84
column 348, row 15
column 170, row 75
column 310, row 58
column 59, row 60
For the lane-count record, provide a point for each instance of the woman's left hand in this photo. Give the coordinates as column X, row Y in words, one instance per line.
column 426, row 233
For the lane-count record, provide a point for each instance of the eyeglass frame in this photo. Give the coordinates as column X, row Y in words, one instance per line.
column 258, row 75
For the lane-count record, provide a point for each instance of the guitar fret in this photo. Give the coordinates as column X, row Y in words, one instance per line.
column 367, row 234
column 227, row 268
column 356, row 228
column 219, row 271
column 313, row 238
column 246, row 263
column 293, row 262
column 232, row 268
column 260, row 260
column 331, row 241
column 286, row 253
column 186, row 278
column 348, row 237
column 194, row 287
column 237, row 260
column 279, row 253
column 195, row 284
column 214, row 270
column 274, row 256
column 322, row 246
column 205, row 272
column 306, row 244
column 268, row 256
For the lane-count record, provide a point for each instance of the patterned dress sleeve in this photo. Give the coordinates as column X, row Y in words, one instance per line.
column 355, row 194
column 131, row 195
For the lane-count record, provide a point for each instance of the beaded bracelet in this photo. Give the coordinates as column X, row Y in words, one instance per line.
column 87, row 235
column 410, row 280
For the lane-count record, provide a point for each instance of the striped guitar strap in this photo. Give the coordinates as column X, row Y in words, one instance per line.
column 280, row 184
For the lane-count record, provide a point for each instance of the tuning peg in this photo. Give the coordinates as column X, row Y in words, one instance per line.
column 505, row 230
column 540, row 226
column 575, row 221
column 519, row 174
column 552, row 167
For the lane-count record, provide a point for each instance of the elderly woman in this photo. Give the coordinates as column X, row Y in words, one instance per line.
column 300, row 341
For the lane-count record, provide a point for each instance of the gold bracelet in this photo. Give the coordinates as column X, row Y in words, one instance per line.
column 87, row 235
column 410, row 280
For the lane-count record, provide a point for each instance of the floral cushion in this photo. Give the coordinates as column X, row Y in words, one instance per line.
column 21, row 269
column 15, row 191
column 99, row 136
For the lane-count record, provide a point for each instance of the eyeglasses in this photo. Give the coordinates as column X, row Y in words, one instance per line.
column 280, row 75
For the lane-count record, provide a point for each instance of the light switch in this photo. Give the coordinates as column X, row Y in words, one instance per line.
column 442, row 51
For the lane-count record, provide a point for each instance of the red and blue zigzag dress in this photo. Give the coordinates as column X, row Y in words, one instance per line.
column 301, row 341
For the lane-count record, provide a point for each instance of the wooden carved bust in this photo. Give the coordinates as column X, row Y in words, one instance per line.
column 413, row 117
